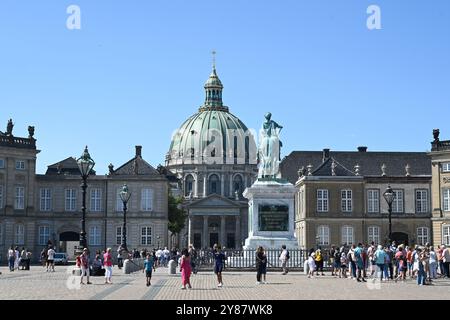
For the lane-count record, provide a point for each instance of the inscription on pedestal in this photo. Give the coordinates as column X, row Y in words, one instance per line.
column 273, row 218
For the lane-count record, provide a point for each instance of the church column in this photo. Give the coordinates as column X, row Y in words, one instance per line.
column 231, row 186
column 223, row 231
column 222, row 186
column 196, row 187
column 190, row 233
column 238, row 232
column 205, row 237
column 246, row 181
column 205, row 192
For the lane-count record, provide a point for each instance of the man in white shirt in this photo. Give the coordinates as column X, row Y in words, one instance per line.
column 51, row 260
column 11, row 259
column 284, row 258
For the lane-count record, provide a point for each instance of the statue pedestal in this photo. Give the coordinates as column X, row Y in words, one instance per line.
column 271, row 215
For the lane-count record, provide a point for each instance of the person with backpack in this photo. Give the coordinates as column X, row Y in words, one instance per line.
column 284, row 259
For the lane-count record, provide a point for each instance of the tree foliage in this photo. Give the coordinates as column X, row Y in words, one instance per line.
column 177, row 215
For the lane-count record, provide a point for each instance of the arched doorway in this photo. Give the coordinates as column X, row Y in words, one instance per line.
column 67, row 242
column 400, row 238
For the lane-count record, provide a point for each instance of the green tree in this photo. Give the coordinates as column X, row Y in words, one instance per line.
column 177, row 215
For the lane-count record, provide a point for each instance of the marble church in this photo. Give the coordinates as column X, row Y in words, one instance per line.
column 213, row 153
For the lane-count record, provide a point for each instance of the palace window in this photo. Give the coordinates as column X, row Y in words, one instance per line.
column 373, row 234
column 95, row 236
column 348, row 235
column 71, row 200
column 19, row 203
column 147, row 200
column 398, row 204
column 446, row 199
column 373, row 201
column 96, row 200
column 45, row 199
column 446, row 234
column 422, row 201
column 446, row 167
column 423, row 236
column 19, row 235
column 20, row 165
column 119, row 235
column 146, row 236
column 323, row 235
column 44, row 235
column 346, row 201
column 322, row 200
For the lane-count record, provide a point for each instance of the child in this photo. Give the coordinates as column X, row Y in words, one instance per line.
column 148, row 267
column 312, row 265
column 186, row 270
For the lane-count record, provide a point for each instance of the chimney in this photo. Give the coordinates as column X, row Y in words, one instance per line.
column 362, row 149
column 326, row 154
column 139, row 151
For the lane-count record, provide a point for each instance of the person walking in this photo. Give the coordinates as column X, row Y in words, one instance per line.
column 84, row 263
column 360, row 263
column 284, row 258
column 108, row 265
column 219, row 259
column 186, row 270
column 11, row 259
column 319, row 262
column 261, row 264
column 51, row 259
column 311, row 265
column 149, row 265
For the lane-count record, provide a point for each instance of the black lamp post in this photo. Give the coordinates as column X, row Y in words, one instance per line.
column 389, row 196
column 125, row 196
column 85, row 164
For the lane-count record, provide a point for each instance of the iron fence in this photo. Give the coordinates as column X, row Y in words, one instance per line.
column 246, row 260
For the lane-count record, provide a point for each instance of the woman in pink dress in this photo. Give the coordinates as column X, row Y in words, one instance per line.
column 186, row 270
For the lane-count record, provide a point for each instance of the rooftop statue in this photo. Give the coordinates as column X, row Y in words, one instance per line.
column 9, row 128
column 269, row 151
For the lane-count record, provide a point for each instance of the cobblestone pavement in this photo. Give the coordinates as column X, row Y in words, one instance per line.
column 61, row 285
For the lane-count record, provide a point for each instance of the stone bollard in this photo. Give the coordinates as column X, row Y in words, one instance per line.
column 172, row 268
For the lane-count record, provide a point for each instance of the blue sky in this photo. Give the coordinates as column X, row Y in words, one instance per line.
column 136, row 69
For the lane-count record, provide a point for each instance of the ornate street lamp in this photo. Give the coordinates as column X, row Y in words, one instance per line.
column 85, row 164
column 125, row 196
column 389, row 195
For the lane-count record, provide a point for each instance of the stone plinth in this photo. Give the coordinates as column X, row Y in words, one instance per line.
column 271, row 215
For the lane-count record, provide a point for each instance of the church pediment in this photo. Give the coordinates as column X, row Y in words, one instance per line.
column 215, row 201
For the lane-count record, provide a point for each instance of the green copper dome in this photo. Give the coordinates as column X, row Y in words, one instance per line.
column 212, row 133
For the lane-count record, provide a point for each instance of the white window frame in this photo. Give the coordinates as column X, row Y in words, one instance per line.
column 347, row 234
column 146, row 237
column 43, row 235
column 446, row 234
column 347, row 200
column 446, row 167
column 45, row 199
column 398, row 206
column 373, row 201
column 374, row 234
column 19, row 234
column 446, row 200
column 323, row 200
column 422, row 201
column 20, row 165
column 323, row 235
column 147, row 199
column 2, row 163
column 119, row 237
column 19, row 198
column 95, row 236
column 70, row 197
column 423, row 235
column 95, row 200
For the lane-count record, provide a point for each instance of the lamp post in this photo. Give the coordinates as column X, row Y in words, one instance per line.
column 125, row 196
column 85, row 165
column 389, row 195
